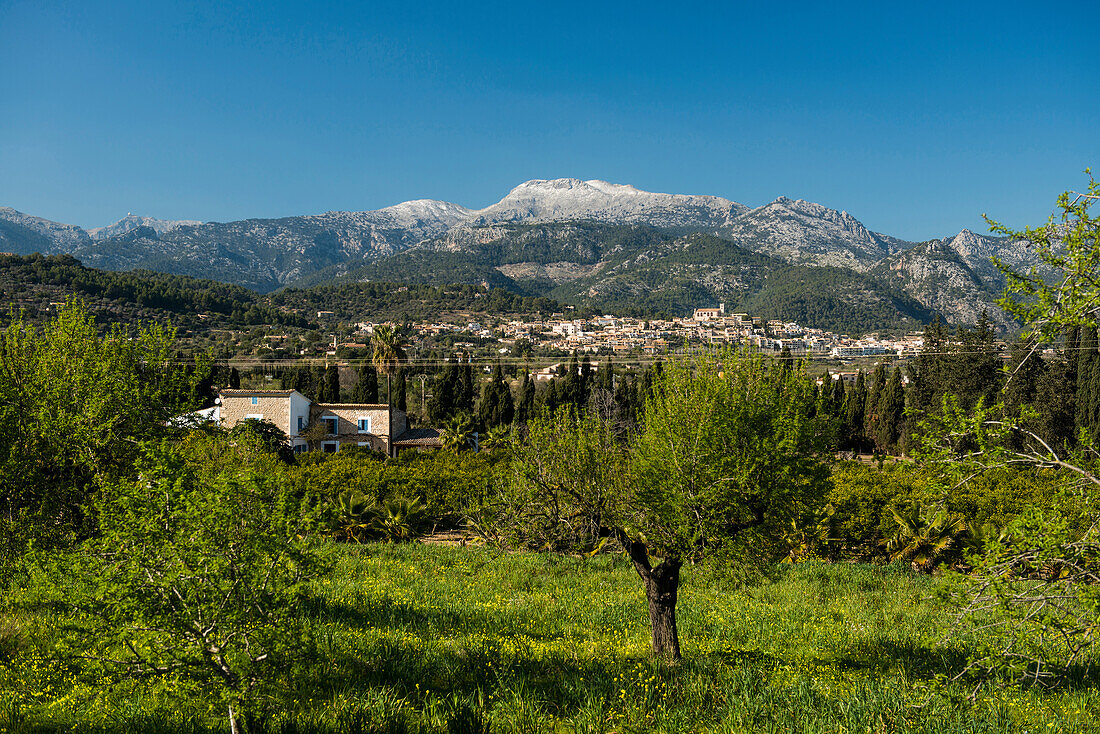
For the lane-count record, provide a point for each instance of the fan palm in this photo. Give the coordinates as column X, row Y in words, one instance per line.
column 496, row 438
column 923, row 535
column 354, row 514
column 456, row 432
column 398, row 519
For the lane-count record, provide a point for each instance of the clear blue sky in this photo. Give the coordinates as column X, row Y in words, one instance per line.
column 914, row 117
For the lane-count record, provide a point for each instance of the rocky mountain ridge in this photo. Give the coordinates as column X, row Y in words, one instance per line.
column 953, row 276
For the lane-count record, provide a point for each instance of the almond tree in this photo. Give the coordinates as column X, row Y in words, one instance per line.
column 725, row 459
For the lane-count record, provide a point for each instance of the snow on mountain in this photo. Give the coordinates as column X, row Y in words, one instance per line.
column 410, row 212
column 22, row 234
column 132, row 221
column 803, row 232
column 573, row 199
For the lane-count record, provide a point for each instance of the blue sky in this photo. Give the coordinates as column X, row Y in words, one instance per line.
column 916, row 118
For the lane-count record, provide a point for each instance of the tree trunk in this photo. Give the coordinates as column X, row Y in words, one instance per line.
column 661, row 585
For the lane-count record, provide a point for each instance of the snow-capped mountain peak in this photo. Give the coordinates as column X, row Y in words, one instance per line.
column 430, row 209
column 542, row 200
column 133, row 221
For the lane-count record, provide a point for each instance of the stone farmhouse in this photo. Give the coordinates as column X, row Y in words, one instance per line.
column 332, row 426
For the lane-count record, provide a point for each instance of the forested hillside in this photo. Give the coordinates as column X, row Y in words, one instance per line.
column 33, row 282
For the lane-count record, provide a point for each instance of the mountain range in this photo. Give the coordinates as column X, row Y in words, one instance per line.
column 589, row 242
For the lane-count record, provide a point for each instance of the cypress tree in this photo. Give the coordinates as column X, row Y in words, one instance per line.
column 366, row 385
column 836, row 409
column 525, row 406
column 302, row 382
column 550, row 399
column 400, row 391
column 584, row 383
column 891, row 410
column 496, row 406
column 871, row 406
column 928, row 369
column 467, row 390
column 1025, row 371
column 204, row 389
column 786, row 360
column 854, row 410
column 234, row 379
column 605, row 378
column 1094, row 403
column 974, row 371
column 332, row 385
column 445, row 394
column 1054, row 403
column 320, row 387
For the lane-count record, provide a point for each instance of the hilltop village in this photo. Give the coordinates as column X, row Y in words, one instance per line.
column 625, row 336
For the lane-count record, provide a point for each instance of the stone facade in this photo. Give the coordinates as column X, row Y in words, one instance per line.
column 269, row 405
column 350, row 429
column 349, row 424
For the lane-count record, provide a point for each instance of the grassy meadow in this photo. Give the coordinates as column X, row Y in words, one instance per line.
column 417, row 638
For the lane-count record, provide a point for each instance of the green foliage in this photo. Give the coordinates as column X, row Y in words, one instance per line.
column 457, row 433
column 351, row 516
column 726, row 459
column 199, row 568
column 267, row 434
column 452, row 393
column 924, row 535
column 73, row 406
column 444, row 481
column 366, row 385
column 399, row 519
column 567, row 486
column 1031, row 610
column 496, row 407
column 357, row 518
column 136, row 294
column 418, row 638
column 400, row 298
column 728, row 446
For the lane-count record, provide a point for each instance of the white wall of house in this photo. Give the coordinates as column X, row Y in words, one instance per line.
column 299, row 417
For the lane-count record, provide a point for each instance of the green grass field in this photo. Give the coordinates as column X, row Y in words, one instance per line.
column 421, row 638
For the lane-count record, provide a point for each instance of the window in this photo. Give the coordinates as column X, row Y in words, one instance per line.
column 301, row 423
column 364, row 425
column 255, row 401
column 332, row 425
column 330, row 447
column 364, row 443
column 299, row 449
column 254, row 417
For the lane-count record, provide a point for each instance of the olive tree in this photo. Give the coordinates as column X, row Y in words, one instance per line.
column 726, row 456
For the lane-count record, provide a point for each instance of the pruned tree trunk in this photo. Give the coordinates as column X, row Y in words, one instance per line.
column 661, row 585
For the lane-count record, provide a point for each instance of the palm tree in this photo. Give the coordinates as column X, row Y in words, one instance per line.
column 398, row 519
column 389, row 352
column 457, row 432
column 923, row 535
column 496, row 438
